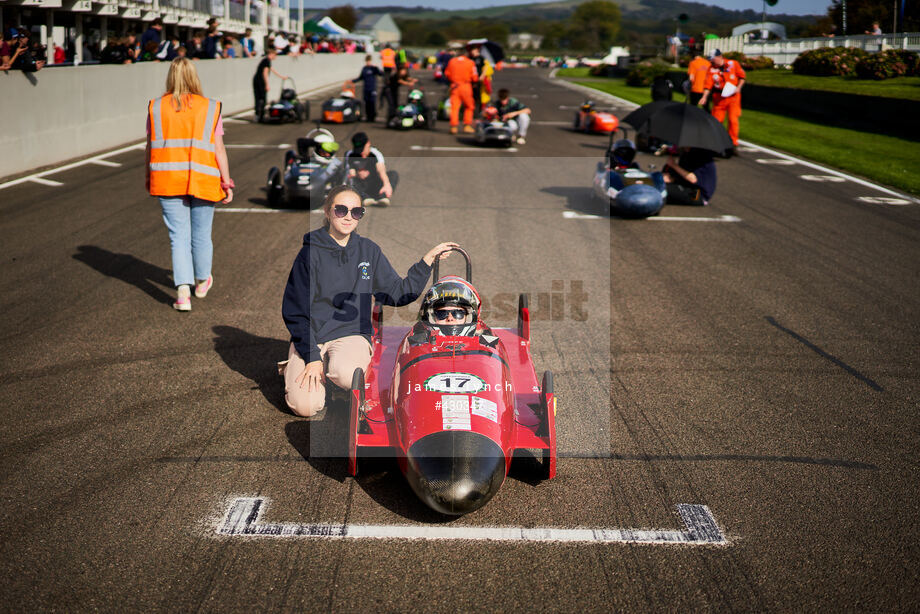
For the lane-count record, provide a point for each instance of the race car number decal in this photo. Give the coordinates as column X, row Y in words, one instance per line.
column 454, row 382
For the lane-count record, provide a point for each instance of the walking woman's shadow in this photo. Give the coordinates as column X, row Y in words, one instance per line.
column 256, row 358
column 129, row 269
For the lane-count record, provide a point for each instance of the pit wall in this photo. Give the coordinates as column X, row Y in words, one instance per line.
column 58, row 114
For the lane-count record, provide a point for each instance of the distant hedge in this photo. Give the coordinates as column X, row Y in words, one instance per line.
column 828, row 62
column 849, row 62
column 749, row 63
column 645, row 72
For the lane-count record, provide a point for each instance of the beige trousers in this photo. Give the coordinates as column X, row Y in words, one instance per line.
column 340, row 358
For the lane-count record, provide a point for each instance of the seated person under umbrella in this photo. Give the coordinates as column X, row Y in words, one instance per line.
column 690, row 180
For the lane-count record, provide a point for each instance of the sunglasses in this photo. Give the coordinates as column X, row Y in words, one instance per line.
column 443, row 314
column 341, row 211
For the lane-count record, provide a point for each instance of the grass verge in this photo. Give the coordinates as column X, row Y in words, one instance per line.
column 907, row 88
column 880, row 158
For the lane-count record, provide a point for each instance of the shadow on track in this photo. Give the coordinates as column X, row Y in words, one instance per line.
column 255, row 358
column 581, row 200
column 129, row 269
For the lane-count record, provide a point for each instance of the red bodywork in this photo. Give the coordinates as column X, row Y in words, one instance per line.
column 408, row 389
column 596, row 121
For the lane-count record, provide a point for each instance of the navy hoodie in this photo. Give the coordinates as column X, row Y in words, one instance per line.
column 328, row 293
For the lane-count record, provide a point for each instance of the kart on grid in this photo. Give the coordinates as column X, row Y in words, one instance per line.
column 454, row 402
column 588, row 119
column 630, row 191
column 491, row 130
column 344, row 108
column 306, row 177
column 288, row 108
column 414, row 114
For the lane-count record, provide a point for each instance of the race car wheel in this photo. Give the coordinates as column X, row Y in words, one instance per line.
column 548, row 425
column 273, row 187
column 356, row 395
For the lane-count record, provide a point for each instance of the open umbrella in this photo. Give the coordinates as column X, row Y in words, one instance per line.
column 490, row 50
column 641, row 115
column 685, row 125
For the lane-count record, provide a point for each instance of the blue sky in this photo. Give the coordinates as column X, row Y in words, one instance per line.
column 792, row 7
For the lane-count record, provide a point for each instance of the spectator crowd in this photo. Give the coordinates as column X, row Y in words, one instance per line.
column 19, row 50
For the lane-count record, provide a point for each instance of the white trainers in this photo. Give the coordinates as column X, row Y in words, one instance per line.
column 202, row 287
column 184, row 299
column 369, row 202
column 383, row 202
column 521, row 140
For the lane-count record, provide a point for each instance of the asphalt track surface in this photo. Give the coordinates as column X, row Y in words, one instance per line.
column 766, row 368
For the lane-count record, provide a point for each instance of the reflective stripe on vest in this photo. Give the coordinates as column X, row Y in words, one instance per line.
column 184, row 161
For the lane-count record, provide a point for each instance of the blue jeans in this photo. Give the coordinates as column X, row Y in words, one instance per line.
column 189, row 222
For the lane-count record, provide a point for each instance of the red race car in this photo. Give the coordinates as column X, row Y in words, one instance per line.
column 455, row 399
column 589, row 119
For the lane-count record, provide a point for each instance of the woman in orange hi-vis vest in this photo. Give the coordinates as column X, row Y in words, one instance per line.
column 461, row 72
column 187, row 169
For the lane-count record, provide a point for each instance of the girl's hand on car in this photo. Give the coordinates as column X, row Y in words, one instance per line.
column 437, row 249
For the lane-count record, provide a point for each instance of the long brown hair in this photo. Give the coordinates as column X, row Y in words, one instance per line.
column 182, row 81
column 330, row 198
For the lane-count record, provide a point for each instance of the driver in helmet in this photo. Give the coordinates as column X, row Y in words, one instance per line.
column 451, row 307
column 322, row 152
column 622, row 155
column 417, row 98
column 490, row 113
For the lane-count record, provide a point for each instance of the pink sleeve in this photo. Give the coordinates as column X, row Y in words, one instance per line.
column 219, row 131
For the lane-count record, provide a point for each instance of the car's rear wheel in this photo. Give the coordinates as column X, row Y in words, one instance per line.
column 274, row 187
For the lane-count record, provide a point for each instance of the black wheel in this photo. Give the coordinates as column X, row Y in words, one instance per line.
column 274, row 188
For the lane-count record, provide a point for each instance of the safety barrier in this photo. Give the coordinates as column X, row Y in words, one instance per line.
column 60, row 114
column 786, row 51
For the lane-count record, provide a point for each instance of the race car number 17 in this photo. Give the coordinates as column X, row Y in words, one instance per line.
column 454, row 382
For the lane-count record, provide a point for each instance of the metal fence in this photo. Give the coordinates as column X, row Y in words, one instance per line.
column 787, row 50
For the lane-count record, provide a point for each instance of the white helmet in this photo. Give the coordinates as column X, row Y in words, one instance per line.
column 325, row 146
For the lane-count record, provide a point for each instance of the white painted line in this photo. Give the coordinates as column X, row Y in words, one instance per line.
column 721, row 218
column 243, row 518
column 551, row 123
column 249, row 146
column 234, row 120
column 263, row 210
column 776, row 161
column 468, row 149
column 67, row 167
column 106, row 163
column 44, row 181
column 575, row 215
column 883, row 200
column 824, row 178
column 752, row 146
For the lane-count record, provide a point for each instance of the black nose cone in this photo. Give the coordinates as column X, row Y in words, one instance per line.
column 455, row 472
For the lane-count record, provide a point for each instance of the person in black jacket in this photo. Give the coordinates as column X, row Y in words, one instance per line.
column 327, row 301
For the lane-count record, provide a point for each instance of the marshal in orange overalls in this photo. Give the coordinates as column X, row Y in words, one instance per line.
column 183, row 158
column 730, row 72
column 461, row 72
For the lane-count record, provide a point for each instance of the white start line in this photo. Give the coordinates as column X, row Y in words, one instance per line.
column 261, row 210
column 244, row 515
column 823, row 178
column 575, row 215
column 457, row 148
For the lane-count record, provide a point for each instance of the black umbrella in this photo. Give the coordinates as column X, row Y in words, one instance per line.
column 685, row 125
column 490, row 50
column 641, row 115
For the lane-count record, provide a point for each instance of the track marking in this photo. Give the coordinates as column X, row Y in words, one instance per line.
column 248, row 146
column 243, row 518
column 824, row 178
column 747, row 144
column 262, row 210
column 44, row 181
column 470, row 149
column 35, row 177
column 108, row 163
column 883, row 200
column 575, row 215
column 551, row 123
column 777, row 161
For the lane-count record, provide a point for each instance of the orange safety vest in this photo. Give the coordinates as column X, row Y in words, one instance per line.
column 183, row 158
column 730, row 72
column 388, row 58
